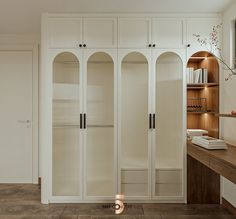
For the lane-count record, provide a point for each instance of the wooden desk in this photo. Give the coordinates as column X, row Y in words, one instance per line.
column 204, row 170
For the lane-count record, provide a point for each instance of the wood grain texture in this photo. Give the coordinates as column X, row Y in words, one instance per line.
column 222, row 162
column 22, row 201
column 203, row 184
column 228, row 206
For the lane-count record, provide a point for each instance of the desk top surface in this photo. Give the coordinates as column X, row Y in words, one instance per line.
column 227, row 156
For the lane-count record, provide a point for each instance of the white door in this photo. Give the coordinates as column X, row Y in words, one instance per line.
column 167, row 32
column 100, row 130
column 65, row 32
column 134, row 133
column 168, row 139
column 100, row 32
column 134, row 32
column 15, row 117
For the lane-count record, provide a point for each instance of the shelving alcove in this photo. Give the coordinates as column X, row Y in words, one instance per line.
column 198, row 117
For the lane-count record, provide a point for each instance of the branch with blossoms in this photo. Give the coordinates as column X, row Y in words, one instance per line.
column 212, row 45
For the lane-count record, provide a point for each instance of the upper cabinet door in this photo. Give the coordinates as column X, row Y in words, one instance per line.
column 134, row 32
column 167, row 32
column 65, row 32
column 100, row 32
column 202, row 27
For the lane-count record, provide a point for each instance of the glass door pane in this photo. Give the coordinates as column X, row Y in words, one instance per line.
column 134, row 125
column 66, row 126
column 169, row 126
column 100, row 174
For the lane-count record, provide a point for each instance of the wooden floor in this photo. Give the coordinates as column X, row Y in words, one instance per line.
column 23, row 202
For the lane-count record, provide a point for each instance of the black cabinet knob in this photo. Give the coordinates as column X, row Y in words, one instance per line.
column 80, row 45
column 188, row 45
column 149, row 45
column 154, row 45
column 84, row 45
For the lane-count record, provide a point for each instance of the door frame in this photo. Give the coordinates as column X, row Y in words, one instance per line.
column 35, row 149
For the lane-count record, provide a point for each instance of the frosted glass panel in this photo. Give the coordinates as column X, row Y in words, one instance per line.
column 100, row 125
column 66, row 111
column 134, row 125
column 169, row 125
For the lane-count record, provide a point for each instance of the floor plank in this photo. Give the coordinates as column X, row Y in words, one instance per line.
column 22, row 201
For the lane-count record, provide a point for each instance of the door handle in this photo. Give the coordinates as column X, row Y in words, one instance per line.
column 154, row 121
column 24, row 121
column 81, row 121
column 150, row 121
column 84, row 120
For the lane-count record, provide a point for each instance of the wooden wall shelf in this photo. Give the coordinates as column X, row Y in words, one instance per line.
column 201, row 112
column 226, row 115
column 201, row 86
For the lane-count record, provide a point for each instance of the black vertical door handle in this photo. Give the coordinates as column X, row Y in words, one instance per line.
column 150, row 121
column 154, row 121
column 81, row 121
column 85, row 121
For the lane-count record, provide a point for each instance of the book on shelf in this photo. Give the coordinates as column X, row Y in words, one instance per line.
column 209, row 142
column 197, row 76
column 205, row 75
column 195, row 132
column 190, row 77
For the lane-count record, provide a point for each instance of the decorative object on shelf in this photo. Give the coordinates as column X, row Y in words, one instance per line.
column 197, row 105
column 233, row 113
column 212, row 45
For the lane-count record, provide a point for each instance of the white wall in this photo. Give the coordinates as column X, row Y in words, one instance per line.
column 19, row 39
column 228, row 99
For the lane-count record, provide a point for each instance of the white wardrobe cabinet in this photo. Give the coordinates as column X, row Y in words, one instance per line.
column 151, row 124
column 113, row 116
column 202, row 27
column 82, row 32
column 113, row 130
column 84, row 134
column 148, row 32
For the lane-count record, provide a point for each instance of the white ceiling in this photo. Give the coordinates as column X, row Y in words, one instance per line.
column 23, row 16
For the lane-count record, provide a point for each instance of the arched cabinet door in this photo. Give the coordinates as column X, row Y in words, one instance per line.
column 168, row 138
column 134, row 107
column 66, row 126
column 100, row 128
